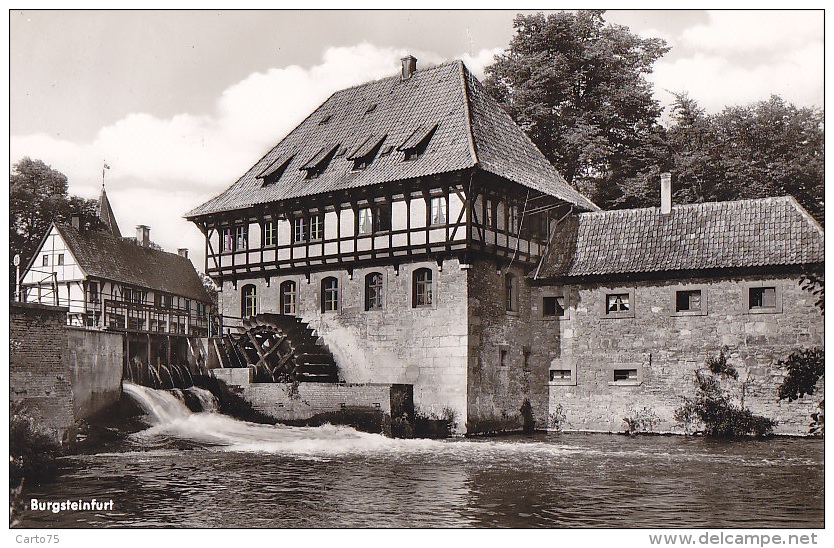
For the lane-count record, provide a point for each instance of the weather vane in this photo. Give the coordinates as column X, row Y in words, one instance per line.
column 103, row 168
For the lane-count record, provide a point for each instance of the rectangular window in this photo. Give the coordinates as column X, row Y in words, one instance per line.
column 316, row 228
column 553, row 306
column 241, row 237
column 299, row 232
column 329, row 295
column 366, row 222
column 438, row 211
column 688, row 300
column 617, row 303
column 560, row 375
column 502, row 357
column 127, row 294
column 270, row 234
column 373, row 291
column 422, row 290
column 382, row 218
column 60, row 259
column 525, row 364
column 625, row 374
column 45, row 260
column 226, row 241
column 489, row 214
column 512, row 219
column 762, row 298
column 92, row 292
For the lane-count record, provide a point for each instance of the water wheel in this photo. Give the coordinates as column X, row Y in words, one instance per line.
column 280, row 348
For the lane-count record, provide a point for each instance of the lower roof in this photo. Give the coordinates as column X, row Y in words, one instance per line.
column 715, row 235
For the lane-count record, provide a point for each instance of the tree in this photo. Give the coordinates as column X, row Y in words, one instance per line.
column 37, row 196
column 769, row 148
column 577, row 87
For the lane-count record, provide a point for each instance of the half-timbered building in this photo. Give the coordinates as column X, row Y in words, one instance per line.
column 417, row 229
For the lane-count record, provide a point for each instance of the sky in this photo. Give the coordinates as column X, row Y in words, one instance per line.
column 181, row 103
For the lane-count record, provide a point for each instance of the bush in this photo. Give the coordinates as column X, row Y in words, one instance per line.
column 33, row 458
column 713, row 407
column 32, row 452
column 805, row 367
column 641, row 421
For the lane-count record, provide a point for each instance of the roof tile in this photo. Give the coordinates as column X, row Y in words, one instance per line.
column 745, row 233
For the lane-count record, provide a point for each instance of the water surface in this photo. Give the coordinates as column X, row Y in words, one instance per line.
column 209, row 470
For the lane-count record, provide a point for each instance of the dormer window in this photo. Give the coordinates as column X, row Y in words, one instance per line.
column 365, row 153
column 324, row 119
column 318, row 163
column 371, row 108
column 273, row 171
column 417, row 142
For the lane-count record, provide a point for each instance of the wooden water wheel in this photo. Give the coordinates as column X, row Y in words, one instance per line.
column 281, row 349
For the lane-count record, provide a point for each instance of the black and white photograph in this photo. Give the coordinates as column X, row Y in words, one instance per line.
column 417, row 269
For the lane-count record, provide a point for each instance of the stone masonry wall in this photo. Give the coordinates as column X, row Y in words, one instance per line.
column 497, row 390
column 275, row 399
column 666, row 349
column 400, row 344
column 95, row 361
column 38, row 375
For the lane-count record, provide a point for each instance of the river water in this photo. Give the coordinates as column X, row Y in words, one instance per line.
column 209, row 470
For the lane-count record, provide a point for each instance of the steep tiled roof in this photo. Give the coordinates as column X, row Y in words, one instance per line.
column 105, row 213
column 738, row 234
column 102, row 255
column 472, row 129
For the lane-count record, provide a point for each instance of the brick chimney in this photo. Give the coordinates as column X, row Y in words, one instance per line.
column 666, row 193
column 143, row 235
column 183, row 252
column 409, row 66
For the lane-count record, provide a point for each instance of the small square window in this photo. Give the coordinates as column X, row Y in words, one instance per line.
column 553, row 306
column 688, row 301
column 618, row 303
column 763, row 299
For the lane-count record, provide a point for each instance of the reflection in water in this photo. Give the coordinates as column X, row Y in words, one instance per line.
column 208, row 470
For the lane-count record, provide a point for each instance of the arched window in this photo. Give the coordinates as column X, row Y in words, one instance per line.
column 288, row 297
column 329, row 294
column 422, row 290
column 511, row 292
column 248, row 301
column 373, row 291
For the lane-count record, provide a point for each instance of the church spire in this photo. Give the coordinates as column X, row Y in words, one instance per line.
column 105, row 212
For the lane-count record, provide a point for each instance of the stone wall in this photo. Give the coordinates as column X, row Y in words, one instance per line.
column 400, row 344
column 277, row 400
column 95, row 360
column 38, row 374
column 666, row 348
column 497, row 390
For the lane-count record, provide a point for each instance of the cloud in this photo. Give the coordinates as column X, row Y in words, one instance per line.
column 742, row 57
column 742, row 32
column 163, row 167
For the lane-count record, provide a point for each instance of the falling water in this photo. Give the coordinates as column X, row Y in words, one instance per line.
column 190, row 468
